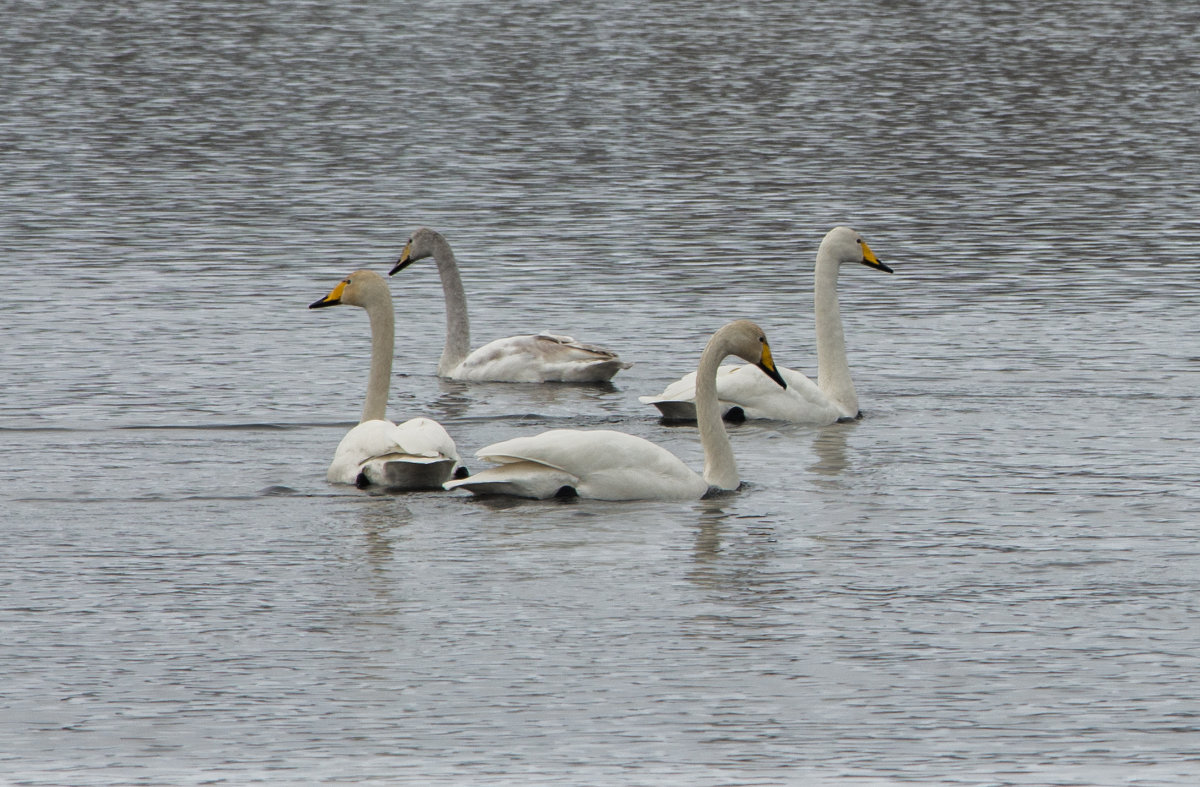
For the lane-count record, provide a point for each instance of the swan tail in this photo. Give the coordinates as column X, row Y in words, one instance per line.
column 671, row 410
column 406, row 472
column 517, row 479
column 598, row 372
column 577, row 361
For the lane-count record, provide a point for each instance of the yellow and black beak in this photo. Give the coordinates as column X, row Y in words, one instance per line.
column 870, row 260
column 333, row 298
column 767, row 364
column 404, row 261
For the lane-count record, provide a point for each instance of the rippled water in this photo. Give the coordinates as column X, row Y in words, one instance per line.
column 990, row 579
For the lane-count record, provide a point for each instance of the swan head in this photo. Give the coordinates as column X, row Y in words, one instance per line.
column 421, row 244
column 357, row 289
column 747, row 341
column 846, row 245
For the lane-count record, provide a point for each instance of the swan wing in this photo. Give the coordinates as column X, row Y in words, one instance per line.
column 745, row 386
column 599, row 464
column 536, row 358
column 378, row 448
column 423, row 437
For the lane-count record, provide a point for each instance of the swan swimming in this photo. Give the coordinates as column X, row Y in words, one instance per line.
column 532, row 358
column 831, row 398
column 609, row 465
column 417, row 454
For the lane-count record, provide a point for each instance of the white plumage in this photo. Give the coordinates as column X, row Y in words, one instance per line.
column 600, row 464
column 743, row 387
column 830, row 398
column 610, row 465
column 417, row 454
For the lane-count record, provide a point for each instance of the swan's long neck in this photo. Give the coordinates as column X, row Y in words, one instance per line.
column 458, row 328
column 383, row 338
column 720, row 468
column 833, row 369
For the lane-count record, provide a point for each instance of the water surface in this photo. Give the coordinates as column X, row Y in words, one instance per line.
column 990, row 579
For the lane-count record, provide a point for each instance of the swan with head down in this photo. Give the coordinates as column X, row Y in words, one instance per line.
column 530, row 358
column 744, row 390
column 417, row 454
column 609, row 465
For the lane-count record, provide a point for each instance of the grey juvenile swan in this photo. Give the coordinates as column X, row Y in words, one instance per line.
column 532, row 358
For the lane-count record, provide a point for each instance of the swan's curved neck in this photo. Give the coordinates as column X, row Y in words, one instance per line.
column 383, row 337
column 833, row 369
column 720, row 468
column 458, row 328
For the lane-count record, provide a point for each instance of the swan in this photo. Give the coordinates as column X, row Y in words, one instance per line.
column 533, row 358
column 608, row 465
column 417, row 454
column 831, row 398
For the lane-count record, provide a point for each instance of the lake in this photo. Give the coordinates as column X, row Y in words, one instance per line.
column 989, row 579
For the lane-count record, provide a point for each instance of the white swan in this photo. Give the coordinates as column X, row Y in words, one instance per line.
column 831, row 398
column 608, row 465
column 417, row 454
column 533, row 358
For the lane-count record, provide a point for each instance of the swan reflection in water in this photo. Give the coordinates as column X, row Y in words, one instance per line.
column 829, row 444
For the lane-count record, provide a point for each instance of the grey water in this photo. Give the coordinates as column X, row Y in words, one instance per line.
column 992, row 578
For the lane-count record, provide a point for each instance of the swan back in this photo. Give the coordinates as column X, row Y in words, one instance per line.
column 538, row 358
column 417, row 454
column 599, row 464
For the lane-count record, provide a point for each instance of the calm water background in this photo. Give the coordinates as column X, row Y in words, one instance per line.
column 993, row 578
